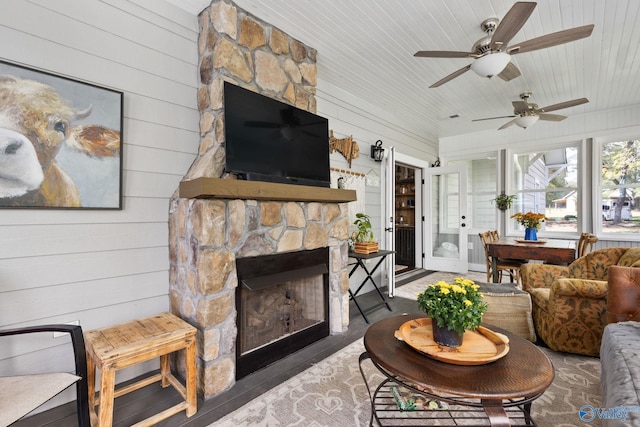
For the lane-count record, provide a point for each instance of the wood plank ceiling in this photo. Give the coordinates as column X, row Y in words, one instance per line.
column 366, row 47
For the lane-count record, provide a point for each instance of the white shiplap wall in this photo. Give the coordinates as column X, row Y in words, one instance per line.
column 350, row 116
column 106, row 267
column 100, row 267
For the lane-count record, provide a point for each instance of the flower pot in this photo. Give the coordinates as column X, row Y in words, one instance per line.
column 444, row 336
column 530, row 234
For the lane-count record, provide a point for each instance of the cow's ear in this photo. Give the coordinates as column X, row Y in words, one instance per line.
column 95, row 141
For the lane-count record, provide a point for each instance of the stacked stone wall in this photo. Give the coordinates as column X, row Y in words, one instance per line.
column 207, row 235
column 237, row 47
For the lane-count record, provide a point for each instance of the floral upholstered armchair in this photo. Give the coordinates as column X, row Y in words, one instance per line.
column 569, row 303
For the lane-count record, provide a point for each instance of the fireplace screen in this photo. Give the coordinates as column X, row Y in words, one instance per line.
column 281, row 310
column 282, row 303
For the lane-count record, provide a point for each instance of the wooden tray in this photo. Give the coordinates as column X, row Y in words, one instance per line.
column 534, row 242
column 365, row 248
column 478, row 347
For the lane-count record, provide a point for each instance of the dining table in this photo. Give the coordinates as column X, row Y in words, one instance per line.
column 555, row 251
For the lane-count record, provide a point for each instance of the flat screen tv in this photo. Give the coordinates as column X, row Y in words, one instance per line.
column 268, row 140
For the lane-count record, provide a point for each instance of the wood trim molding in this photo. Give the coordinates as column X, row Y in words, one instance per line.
column 256, row 190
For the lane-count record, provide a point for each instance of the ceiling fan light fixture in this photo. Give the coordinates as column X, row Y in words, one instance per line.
column 526, row 121
column 491, row 64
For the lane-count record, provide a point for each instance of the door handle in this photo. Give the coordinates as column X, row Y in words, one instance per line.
column 388, row 229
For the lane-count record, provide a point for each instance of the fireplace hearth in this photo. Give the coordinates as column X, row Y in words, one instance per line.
column 282, row 306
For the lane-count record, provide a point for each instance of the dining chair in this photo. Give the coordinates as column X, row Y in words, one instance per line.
column 585, row 244
column 511, row 266
column 21, row 394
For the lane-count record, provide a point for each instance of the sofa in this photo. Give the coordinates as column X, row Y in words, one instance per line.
column 569, row 303
column 620, row 350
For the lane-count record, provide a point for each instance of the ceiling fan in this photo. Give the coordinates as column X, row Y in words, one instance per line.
column 491, row 53
column 526, row 113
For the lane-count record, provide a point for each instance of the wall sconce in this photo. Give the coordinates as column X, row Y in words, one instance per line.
column 377, row 152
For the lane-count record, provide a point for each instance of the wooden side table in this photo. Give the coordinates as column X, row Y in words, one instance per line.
column 117, row 347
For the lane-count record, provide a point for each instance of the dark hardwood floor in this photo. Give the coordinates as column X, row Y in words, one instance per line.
column 152, row 399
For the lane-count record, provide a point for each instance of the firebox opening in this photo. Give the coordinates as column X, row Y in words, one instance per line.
column 282, row 306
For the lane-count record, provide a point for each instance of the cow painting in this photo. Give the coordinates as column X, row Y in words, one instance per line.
column 36, row 123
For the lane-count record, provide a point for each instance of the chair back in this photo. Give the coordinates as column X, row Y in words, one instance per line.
column 585, row 244
column 486, row 238
column 23, row 400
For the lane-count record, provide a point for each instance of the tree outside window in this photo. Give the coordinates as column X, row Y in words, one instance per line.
column 546, row 182
column 620, row 186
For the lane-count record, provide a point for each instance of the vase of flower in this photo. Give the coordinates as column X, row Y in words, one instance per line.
column 531, row 233
column 531, row 222
column 453, row 308
column 445, row 336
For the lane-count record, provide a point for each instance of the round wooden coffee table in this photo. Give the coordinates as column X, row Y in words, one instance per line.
column 496, row 394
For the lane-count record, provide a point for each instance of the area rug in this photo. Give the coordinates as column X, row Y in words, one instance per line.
column 332, row 393
column 412, row 289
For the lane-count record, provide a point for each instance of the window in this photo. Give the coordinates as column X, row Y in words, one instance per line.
column 619, row 189
column 546, row 182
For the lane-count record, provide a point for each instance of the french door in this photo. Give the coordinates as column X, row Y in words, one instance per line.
column 390, row 221
column 388, row 218
column 446, row 219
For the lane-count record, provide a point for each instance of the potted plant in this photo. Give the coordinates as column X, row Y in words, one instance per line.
column 453, row 308
column 363, row 238
column 504, row 201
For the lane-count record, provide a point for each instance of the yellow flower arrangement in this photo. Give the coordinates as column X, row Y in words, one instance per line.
column 529, row 219
column 456, row 306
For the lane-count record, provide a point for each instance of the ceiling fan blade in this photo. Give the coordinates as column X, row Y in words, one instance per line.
column 451, row 76
column 520, row 107
column 565, row 104
column 443, row 54
column 510, row 73
column 509, row 123
column 553, row 39
column 511, row 24
column 552, row 117
column 492, row 118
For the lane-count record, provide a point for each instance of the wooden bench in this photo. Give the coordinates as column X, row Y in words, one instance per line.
column 117, row 347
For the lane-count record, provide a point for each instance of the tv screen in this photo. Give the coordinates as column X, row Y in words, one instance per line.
column 268, row 140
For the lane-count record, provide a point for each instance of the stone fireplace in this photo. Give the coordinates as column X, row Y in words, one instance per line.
column 218, row 224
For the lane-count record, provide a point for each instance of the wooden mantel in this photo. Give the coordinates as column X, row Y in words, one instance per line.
column 200, row 188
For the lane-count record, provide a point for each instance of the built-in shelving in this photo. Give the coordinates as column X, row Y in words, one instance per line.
column 405, row 216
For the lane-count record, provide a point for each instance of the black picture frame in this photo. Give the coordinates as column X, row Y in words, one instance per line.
column 71, row 128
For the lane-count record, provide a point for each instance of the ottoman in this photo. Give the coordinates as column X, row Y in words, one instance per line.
column 508, row 308
column 620, row 371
